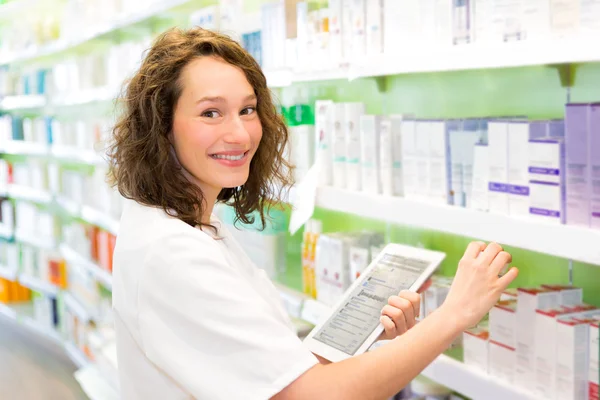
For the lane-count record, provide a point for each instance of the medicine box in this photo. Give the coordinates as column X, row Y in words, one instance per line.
column 498, row 167
column 370, row 136
column 546, row 180
column 569, row 295
column 476, row 348
column 572, row 354
column 503, row 323
column 594, row 361
column 518, row 163
column 530, row 300
column 577, row 165
column 502, row 360
column 594, row 158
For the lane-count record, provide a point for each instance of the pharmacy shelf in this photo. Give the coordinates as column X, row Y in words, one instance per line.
column 78, row 358
column 73, row 154
column 12, row 8
column 120, row 22
column 7, row 311
column 28, row 238
column 19, row 147
column 83, row 97
column 6, row 232
column 8, row 273
column 25, row 193
column 471, row 382
column 94, row 384
column 574, row 243
column 71, row 256
column 78, row 308
column 98, row 218
column 44, row 331
column 467, row 57
column 23, row 102
column 39, row 285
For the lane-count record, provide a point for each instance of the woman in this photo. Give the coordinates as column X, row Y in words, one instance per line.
column 194, row 318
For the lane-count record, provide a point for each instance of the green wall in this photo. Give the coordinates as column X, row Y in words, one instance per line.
column 535, row 92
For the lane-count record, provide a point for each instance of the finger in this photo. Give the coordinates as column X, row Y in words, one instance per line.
column 406, row 306
column 415, row 300
column 388, row 326
column 473, row 249
column 490, row 252
column 508, row 278
column 502, row 259
column 425, row 286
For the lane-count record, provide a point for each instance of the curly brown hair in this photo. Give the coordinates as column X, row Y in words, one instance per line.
column 142, row 163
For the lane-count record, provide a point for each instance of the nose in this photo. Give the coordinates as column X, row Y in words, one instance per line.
column 235, row 131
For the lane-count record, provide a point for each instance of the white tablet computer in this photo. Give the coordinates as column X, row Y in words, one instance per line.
column 353, row 324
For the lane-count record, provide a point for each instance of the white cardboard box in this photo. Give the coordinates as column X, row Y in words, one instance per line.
column 594, row 361
column 498, row 167
column 503, row 323
column 502, row 360
column 530, row 300
column 518, row 168
column 370, row 135
column 569, row 295
column 476, row 348
column 572, row 354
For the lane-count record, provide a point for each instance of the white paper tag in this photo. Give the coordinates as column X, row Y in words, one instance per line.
column 303, row 203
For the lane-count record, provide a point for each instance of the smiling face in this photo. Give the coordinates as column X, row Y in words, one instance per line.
column 216, row 129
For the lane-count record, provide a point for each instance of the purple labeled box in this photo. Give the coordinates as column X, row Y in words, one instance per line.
column 577, row 166
column 594, row 157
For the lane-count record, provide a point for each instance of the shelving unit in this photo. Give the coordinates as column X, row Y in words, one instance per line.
column 103, row 276
column 38, row 285
column 9, row 273
column 29, row 194
column 580, row 244
column 469, row 57
column 120, row 22
column 78, row 358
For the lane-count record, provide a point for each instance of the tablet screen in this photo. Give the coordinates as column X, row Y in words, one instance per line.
column 352, row 323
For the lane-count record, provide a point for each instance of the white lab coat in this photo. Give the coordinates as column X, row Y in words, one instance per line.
column 194, row 317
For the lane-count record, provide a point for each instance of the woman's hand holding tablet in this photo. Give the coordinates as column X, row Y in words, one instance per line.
column 383, row 372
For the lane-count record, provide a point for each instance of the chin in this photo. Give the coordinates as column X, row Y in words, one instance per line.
column 234, row 181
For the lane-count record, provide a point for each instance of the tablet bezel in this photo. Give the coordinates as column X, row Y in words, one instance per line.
column 335, row 355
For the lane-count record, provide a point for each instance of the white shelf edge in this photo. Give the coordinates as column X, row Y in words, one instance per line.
column 89, row 96
column 119, row 23
column 98, row 218
column 451, row 58
column 6, row 232
column 7, row 311
column 38, row 285
column 8, row 273
column 28, row 194
column 46, row 332
column 71, row 256
column 78, row 358
column 66, row 153
column 21, row 147
column 564, row 241
column 94, row 384
column 472, row 383
column 22, row 102
column 77, row 307
column 39, row 242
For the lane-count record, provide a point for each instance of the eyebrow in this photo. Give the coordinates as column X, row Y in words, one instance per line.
column 219, row 99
